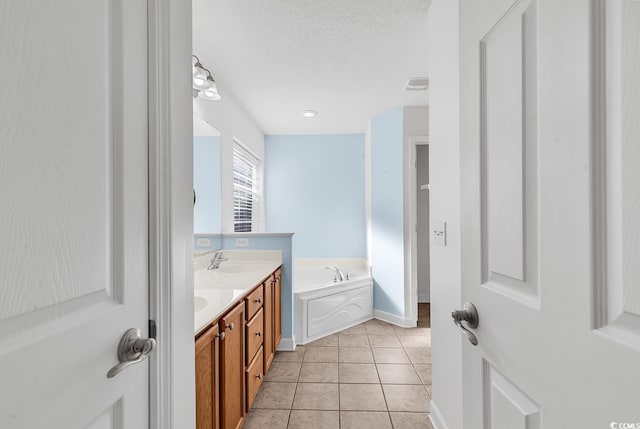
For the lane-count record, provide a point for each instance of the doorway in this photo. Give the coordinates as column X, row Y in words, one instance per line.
column 419, row 234
column 422, row 234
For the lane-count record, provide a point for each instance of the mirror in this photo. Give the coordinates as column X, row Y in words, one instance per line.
column 206, row 178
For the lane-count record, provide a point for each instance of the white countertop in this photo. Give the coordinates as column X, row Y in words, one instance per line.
column 216, row 291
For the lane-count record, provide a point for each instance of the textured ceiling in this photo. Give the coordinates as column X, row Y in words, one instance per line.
column 346, row 59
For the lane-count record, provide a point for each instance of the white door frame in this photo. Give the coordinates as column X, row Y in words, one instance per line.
column 171, row 378
column 411, row 286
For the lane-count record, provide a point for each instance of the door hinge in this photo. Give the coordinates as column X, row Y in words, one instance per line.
column 152, row 329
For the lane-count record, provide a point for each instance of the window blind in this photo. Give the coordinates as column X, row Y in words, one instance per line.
column 245, row 189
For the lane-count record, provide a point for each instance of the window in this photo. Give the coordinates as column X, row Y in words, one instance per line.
column 245, row 189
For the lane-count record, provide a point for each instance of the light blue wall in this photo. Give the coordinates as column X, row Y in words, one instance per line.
column 314, row 186
column 281, row 242
column 206, row 182
column 387, row 233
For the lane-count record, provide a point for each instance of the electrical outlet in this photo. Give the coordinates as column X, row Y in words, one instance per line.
column 204, row 242
column 439, row 233
column 242, row 242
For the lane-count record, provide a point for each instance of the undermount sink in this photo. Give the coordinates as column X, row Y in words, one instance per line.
column 199, row 303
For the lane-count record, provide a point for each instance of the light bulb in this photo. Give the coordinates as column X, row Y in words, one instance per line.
column 210, row 93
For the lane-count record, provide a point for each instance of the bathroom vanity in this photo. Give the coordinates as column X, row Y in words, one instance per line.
column 237, row 330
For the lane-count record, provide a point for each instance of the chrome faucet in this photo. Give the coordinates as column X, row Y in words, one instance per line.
column 339, row 274
column 217, row 259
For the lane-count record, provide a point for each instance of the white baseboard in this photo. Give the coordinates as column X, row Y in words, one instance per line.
column 393, row 319
column 436, row 418
column 287, row 344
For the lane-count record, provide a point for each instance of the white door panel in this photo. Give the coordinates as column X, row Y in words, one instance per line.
column 73, row 184
column 550, row 207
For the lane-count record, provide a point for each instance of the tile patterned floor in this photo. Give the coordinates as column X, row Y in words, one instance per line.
column 372, row 376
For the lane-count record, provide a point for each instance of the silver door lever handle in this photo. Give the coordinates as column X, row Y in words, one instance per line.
column 131, row 350
column 468, row 314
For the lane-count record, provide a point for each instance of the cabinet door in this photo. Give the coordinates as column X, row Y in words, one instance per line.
column 207, row 380
column 269, row 338
column 255, row 376
column 232, row 369
column 277, row 325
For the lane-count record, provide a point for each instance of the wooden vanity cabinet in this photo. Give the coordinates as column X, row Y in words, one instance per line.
column 207, row 380
column 232, row 369
column 233, row 355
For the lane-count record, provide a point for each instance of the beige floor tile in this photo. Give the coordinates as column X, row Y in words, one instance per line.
column 384, row 341
column 321, row 354
column 424, row 372
column 376, row 329
column 362, row 397
column 365, row 420
column 353, row 341
column 319, row 373
column 272, row 419
column 415, row 342
column 306, row 419
column 356, row 330
column 316, row 396
column 411, row 421
column 286, row 372
column 406, row 398
column 419, row 356
column 393, row 373
column 328, row 341
column 356, row 355
column 274, row 395
column 429, row 390
column 397, row 355
column 358, row 373
column 295, row 356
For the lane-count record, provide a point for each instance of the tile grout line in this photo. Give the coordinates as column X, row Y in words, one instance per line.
column 376, row 367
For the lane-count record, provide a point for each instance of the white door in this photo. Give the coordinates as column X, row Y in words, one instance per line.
column 73, row 212
column 551, row 212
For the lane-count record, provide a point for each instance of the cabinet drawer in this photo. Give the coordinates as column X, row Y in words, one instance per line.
column 254, row 378
column 255, row 334
column 254, row 301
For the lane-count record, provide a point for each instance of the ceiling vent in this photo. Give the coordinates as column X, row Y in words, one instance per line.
column 417, row 84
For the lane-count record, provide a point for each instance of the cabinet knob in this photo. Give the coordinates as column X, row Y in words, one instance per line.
column 258, row 334
column 221, row 335
column 278, row 278
column 259, row 376
column 230, row 326
column 259, row 300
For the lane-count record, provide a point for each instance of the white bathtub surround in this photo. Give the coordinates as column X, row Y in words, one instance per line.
column 217, row 290
column 324, row 306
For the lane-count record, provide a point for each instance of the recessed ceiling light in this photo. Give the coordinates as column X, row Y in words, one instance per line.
column 309, row 113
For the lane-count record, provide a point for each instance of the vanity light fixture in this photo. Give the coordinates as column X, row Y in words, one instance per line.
column 309, row 113
column 204, row 86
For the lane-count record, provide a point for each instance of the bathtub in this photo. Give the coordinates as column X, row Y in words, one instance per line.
column 324, row 306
